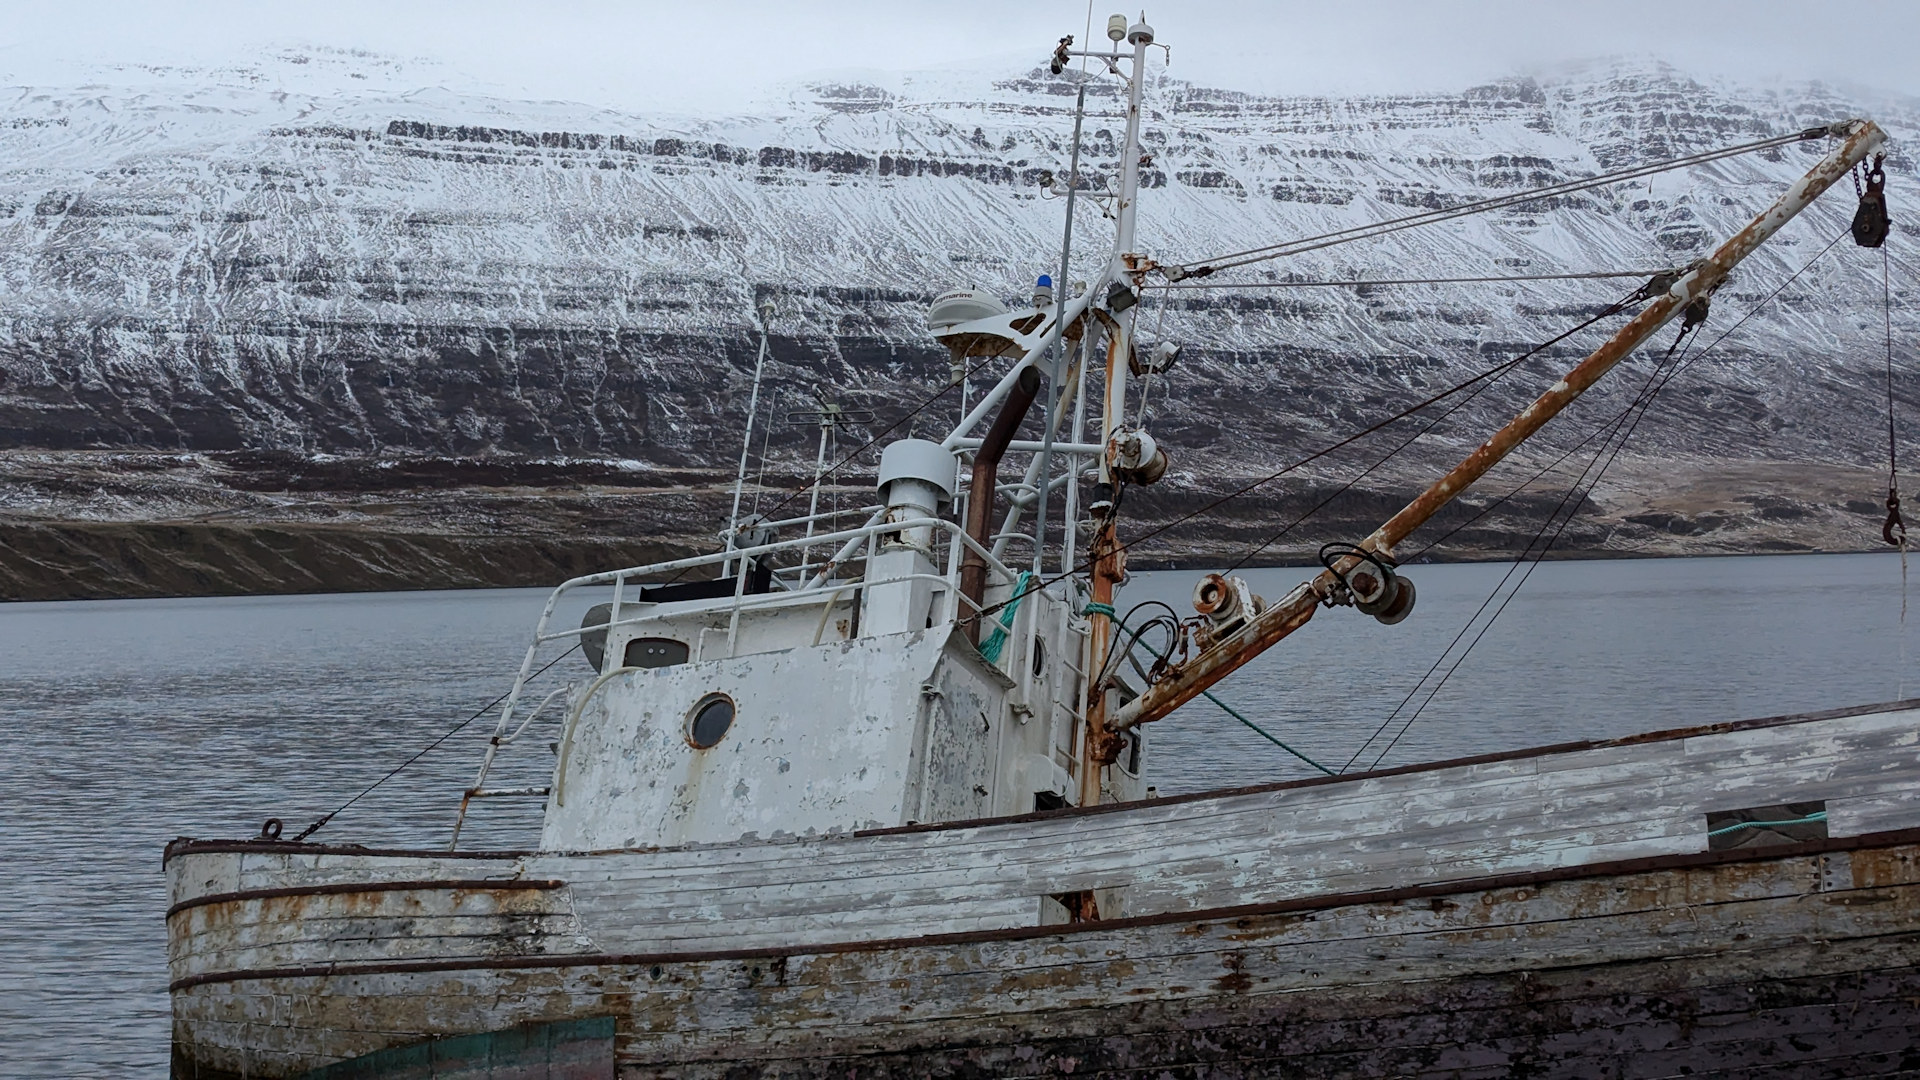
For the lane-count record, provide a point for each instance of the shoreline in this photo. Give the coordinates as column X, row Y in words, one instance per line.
column 48, row 561
column 123, row 525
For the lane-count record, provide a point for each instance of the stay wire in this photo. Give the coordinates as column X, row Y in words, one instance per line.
column 884, row 432
column 1410, row 410
column 321, row 822
column 1421, row 683
column 1357, row 477
column 1886, row 313
column 1434, row 217
column 1614, row 309
column 766, row 441
column 1574, row 496
column 1577, row 447
column 1643, row 402
column 1593, row 275
column 1893, row 466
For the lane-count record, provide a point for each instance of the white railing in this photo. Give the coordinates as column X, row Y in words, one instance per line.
column 823, row 584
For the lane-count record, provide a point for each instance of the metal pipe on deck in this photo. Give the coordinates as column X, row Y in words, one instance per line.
column 986, row 475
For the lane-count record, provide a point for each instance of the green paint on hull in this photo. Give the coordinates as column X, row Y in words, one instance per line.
column 563, row 1050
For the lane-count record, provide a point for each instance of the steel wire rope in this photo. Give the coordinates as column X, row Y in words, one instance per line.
column 1595, row 433
column 1592, row 275
column 1159, row 336
column 1203, row 267
column 766, row 441
column 1893, row 468
column 1492, row 372
column 321, row 821
column 886, row 431
column 1643, row 402
column 1616, row 308
column 1648, row 393
column 1521, row 560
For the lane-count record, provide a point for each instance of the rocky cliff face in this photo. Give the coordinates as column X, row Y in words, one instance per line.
column 311, row 255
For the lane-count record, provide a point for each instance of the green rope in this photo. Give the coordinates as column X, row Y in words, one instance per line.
column 1819, row 815
column 1257, row 729
column 1133, row 637
column 997, row 640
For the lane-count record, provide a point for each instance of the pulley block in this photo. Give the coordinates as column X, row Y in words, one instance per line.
column 1871, row 222
column 1372, row 586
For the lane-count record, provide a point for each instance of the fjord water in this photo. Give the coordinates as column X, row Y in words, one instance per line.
column 132, row 722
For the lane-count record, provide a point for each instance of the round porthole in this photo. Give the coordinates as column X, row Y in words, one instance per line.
column 712, row 716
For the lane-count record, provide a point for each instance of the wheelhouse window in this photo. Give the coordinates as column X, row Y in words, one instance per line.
column 655, row 652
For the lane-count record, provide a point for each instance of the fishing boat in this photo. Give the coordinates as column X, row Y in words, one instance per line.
column 871, row 800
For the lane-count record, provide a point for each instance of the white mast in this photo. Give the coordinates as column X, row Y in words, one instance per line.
column 1109, row 559
column 1139, row 35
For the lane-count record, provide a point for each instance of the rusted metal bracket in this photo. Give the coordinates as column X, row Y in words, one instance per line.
column 1862, row 137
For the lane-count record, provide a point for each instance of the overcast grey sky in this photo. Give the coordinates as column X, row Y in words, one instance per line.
column 645, row 55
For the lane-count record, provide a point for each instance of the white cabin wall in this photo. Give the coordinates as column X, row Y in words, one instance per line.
column 880, row 730
column 822, row 739
column 965, row 719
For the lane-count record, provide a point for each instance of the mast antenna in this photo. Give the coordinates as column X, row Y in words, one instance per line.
column 765, row 312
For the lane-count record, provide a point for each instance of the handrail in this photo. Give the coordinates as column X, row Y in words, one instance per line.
column 797, row 598
column 822, row 516
column 875, row 527
column 608, row 577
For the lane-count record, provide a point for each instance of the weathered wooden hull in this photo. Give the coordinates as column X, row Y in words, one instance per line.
column 1495, row 953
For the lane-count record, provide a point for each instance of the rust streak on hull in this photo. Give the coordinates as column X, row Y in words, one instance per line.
column 1523, row 881
column 346, row 888
column 1692, row 963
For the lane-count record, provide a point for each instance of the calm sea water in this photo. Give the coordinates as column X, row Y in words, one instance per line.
column 131, row 722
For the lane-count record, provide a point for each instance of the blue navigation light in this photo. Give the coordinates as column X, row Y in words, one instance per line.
column 1045, row 282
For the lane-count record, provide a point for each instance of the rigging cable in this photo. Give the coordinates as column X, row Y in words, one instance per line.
column 1493, row 372
column 1614, row 309
column 886, row 431
column 1574, row 496
column 766, row 441
column 1202, row 268
column 1648, row 392
column 1594, row 275
column 1895, row 530
column 321, row 821
column 1617, row 418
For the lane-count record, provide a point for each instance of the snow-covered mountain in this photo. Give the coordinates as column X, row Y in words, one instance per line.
column 314, row 253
